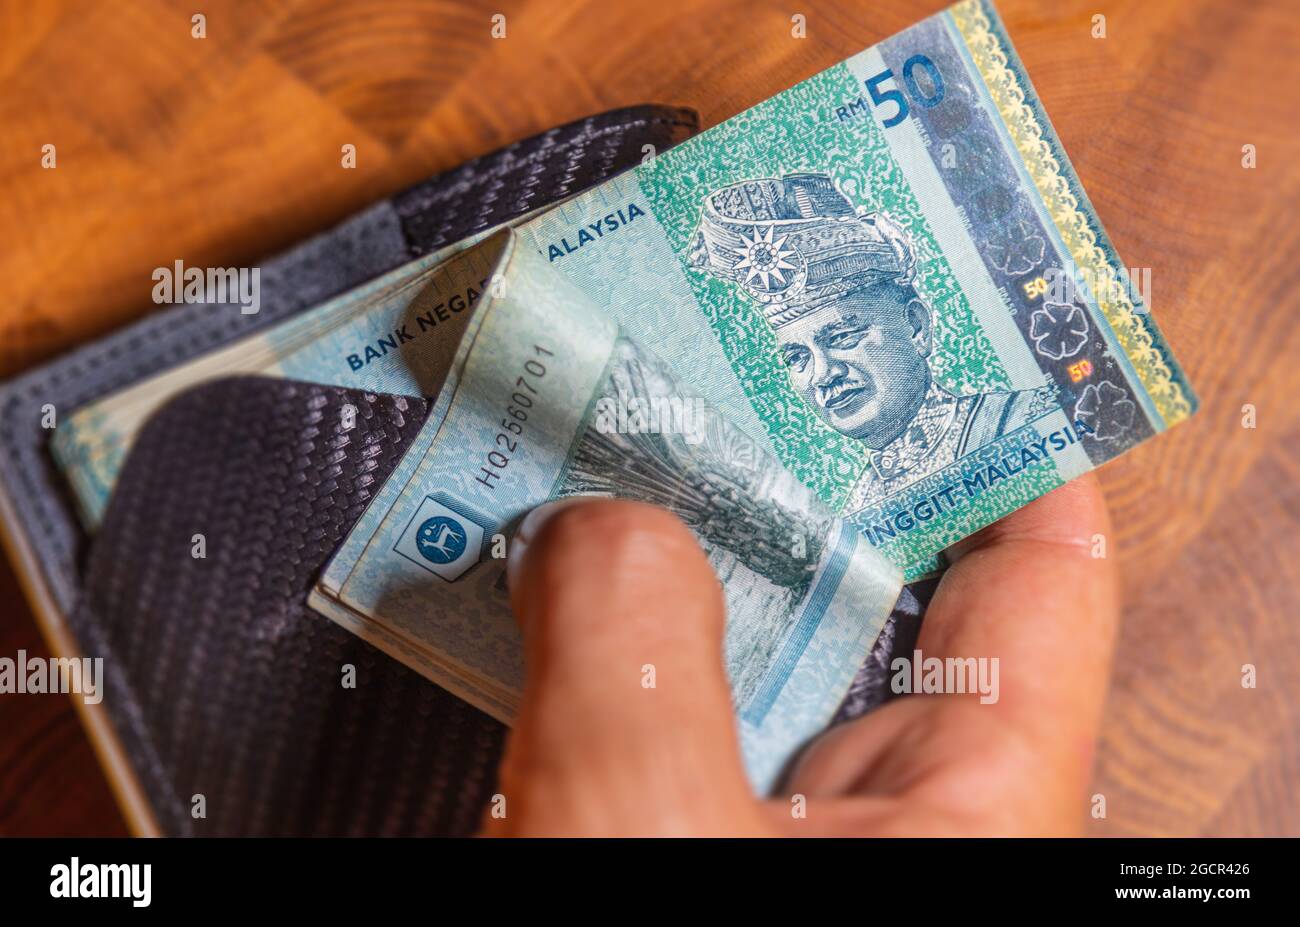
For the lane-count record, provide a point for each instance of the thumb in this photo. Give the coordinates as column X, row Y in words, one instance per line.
column 626, row 725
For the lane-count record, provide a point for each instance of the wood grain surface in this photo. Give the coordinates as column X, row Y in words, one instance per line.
column 221, row 150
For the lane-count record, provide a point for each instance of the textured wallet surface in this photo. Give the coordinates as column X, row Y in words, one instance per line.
column 221, row 682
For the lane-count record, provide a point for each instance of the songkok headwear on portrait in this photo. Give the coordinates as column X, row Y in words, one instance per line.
column 796, row 244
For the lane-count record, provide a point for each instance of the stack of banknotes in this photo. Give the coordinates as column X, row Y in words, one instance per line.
column 835, row 334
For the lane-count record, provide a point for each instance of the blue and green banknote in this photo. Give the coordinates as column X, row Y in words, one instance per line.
column 836, row 334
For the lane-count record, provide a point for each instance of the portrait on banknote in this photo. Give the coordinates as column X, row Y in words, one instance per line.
column 836, row 286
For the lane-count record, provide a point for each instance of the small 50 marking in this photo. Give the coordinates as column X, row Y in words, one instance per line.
column 902, row 109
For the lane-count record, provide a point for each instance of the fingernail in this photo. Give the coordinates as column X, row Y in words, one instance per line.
column 528, row 529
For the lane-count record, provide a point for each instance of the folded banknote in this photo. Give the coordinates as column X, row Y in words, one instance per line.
column 856, row 323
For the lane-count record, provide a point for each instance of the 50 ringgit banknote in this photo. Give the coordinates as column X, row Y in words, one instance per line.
column 836, row 333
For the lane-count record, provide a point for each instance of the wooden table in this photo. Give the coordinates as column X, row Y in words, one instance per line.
column 221, row 150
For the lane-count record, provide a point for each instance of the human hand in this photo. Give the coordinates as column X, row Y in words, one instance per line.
column 601, row 588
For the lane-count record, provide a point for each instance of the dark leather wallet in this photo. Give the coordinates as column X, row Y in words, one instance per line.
column 241, row 709
column 229, row 694
column 225, row 693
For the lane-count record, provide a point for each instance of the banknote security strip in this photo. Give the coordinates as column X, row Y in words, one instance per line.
column 854, row 288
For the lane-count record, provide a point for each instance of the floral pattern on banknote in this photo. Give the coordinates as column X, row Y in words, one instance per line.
column 1070, row 209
